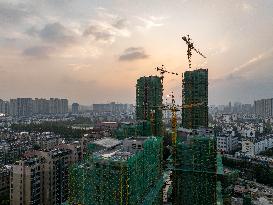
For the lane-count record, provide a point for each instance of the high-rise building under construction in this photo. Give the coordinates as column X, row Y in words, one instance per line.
column 149, row 93
column 196, row 169
column 119, row 172
column 196, row 164
column 195, row 99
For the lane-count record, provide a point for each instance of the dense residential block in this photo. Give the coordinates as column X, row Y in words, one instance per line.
column 27, row 106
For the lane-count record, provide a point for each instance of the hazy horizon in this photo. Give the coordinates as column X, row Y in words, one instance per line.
column 94, row 51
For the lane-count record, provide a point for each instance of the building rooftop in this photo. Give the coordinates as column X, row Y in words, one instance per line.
column 122, row 152
column 107, row 142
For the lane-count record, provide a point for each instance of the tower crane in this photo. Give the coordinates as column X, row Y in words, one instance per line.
column 187, row 39
column 162, row 71
column 173, row 108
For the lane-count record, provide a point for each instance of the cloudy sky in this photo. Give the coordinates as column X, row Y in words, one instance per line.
column 94, row 50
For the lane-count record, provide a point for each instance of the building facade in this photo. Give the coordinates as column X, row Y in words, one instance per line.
column 40, row 106
column 27, row 106
column 112, row 108
column 227, row 143
column 4, row 182
column 255, row 146
column 25, row 187
column 149, row 93
column 4, row 107
column 195, row 99
column 264, row 107
column 195, row 171
column 42, row 177
column 75, row 108
column 21, row 107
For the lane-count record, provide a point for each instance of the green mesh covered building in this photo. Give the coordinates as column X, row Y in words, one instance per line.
column 195, row 99
column 195, row 172
column 149, row 93
column 127, row 174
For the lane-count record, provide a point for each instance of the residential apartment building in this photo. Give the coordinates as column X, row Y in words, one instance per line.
column 75, row 108
column 255, row 146
column 40, row 106
column 42, row 177
column 55, row 176
column 25, row 187
column 227, row 143
column 21, row 107
column 112, row 107
column 4, row 107
column 4, row 181
column 27, row 106
column 58, row 106
column 264, row 107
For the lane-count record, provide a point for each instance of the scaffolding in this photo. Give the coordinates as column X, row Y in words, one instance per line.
column 195, row 172
column 149, row 92
column 195, row 91
column 120, row 176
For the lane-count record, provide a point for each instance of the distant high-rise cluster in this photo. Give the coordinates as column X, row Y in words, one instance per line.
column 264, row 107
column 28, row 106
column 21, row 107
column 112, row 108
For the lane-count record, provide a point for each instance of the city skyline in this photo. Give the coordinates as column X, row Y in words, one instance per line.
column 94, row 51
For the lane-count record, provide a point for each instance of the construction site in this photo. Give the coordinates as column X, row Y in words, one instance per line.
column 129, row 169
column 124, row 173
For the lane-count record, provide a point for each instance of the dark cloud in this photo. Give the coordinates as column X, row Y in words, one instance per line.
column 38, row 51
column 108, row 32
column 99, row 33
column 57, row 33
column 53, row 33
column 133, row 53
column 12, row 14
